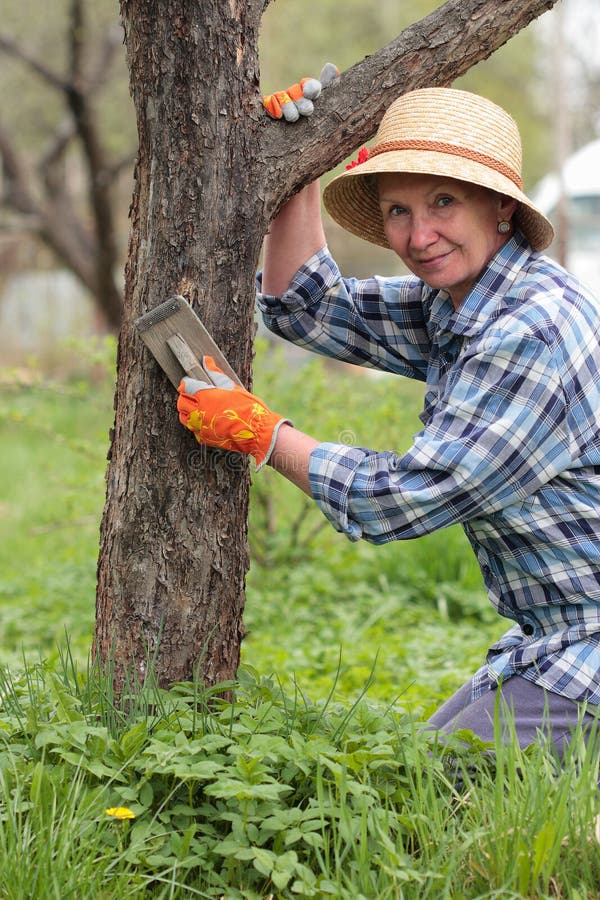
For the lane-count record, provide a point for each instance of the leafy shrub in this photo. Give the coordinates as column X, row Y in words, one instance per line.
column 273, row 795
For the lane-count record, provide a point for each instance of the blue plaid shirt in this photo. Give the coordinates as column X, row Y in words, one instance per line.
column 510, row 444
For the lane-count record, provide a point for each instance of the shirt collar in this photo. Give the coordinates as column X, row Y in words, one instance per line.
column 486, row 294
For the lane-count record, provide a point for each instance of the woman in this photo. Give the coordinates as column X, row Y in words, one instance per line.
column 507, row 344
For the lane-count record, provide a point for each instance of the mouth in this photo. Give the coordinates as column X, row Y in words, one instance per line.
column 433, row 262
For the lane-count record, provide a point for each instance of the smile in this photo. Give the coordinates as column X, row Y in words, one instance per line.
column 434, row 261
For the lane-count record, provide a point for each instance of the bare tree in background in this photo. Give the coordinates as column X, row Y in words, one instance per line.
column 36, row 192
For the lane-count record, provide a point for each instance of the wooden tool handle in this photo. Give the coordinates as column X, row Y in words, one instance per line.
column 186, row 357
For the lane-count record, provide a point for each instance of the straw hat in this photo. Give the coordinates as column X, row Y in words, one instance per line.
column 437, row 131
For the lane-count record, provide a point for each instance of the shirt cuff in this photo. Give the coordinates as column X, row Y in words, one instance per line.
column 311, row 281
column 331, row 471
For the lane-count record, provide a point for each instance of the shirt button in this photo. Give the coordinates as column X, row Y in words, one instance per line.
column 527, row 628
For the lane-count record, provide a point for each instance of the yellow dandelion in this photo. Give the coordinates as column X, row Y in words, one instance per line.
column 120, row 813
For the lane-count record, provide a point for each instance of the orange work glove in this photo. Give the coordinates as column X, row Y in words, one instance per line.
column 294, row 102
column 297, row 100
column 225, row 415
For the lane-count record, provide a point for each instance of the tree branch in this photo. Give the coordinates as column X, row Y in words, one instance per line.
column 16, row 177
column 11, row 48
column 79, row 101
column 67, row 128
column 49, row 220
column 434, row 51
column 76, row 45
column 56, row 147
column 113, row 38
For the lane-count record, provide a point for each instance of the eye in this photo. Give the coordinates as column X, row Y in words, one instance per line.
column 396, row 210
column 444, row 200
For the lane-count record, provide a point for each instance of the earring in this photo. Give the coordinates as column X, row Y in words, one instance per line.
column 503, row 227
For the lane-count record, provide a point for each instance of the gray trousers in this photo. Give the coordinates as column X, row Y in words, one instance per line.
column 533, row 711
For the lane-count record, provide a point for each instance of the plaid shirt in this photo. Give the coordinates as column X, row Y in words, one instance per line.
column 510, row 444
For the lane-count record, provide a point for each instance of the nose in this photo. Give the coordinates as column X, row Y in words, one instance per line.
column 422, row 232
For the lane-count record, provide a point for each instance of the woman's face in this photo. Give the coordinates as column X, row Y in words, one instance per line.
column 445, row 231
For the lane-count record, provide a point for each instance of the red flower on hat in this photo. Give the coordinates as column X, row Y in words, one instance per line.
column 363, row 155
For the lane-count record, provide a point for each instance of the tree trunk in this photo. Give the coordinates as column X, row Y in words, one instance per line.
column 173, row 551
column 212, row 171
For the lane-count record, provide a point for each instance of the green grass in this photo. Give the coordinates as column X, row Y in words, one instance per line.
column 317, row 779
column 53, row 441
column 275, row 795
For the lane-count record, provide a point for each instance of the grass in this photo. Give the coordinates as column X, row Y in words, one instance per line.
column 276, row 795
column 317, row 779
column 53, row 441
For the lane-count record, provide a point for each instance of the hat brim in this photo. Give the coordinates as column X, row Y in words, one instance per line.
column 351, row 198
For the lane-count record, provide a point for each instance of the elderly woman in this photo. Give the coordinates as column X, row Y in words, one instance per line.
column 508, row 345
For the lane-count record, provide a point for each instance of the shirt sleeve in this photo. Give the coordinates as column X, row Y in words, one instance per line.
column 498, row 433
column 376, row 322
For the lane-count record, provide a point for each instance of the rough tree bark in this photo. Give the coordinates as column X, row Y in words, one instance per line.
column 212, row 172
